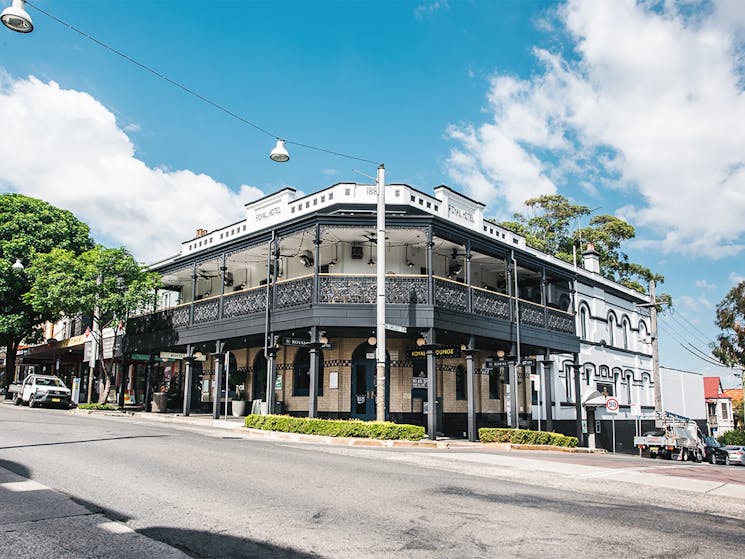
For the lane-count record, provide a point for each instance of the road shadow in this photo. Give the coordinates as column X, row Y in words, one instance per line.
column 16, row 468
column 198, row 543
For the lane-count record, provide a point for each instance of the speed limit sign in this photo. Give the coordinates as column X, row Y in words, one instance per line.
column 611, row 405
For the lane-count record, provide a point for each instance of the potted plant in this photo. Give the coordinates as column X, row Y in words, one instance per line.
column 239, row 403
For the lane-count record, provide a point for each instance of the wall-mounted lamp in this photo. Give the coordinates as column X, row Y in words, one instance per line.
column 421, row 340
column 372, row 340
column 500, row 353
column 322, row 338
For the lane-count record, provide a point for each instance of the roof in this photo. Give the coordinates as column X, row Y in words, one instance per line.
column 712, row 386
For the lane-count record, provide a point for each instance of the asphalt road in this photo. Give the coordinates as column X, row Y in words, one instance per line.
column 212, row 493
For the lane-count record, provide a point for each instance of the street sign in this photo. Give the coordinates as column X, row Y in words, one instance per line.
column 299, row 342
column 395, row 328
column 172, row 355
column 612, row 405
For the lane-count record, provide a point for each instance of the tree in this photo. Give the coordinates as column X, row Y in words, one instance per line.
column 104, row 283
column 551, row 230
column 28, row 228
column 729, row 346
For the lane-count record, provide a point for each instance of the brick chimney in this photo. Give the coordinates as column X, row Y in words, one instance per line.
column 591, row 259
column 201, row 232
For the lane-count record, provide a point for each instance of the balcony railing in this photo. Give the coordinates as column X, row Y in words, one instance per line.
column 353, row 290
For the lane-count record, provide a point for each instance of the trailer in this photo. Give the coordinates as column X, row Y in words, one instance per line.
column 678, row 438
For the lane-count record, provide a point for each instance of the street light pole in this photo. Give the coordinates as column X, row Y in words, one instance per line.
column 380, row 334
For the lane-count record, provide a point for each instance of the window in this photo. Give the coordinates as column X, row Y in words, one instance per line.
column 495, row 376
column 625, row 333
column 629, row 380
column 725, row 411
column 605, row 388
column 583, row 322
column 460, row 383
column 611, row 329
column 568, row 382
column 301, row 373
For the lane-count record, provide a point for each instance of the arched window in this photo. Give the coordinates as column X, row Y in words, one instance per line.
column 629, row 383
column 460, row 383
column 647, row 387
column 643, row 334
column 583, row 325
column 568, row 382
column 301, row 373
column 626, row 333
column 589, row 373
column 611, row 329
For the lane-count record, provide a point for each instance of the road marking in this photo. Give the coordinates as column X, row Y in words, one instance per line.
column 115, row 528
column 20, row 486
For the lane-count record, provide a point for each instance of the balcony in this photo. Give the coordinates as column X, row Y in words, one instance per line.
column 358, row 289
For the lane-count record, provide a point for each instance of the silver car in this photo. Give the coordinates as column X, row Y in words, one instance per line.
column 735, row 454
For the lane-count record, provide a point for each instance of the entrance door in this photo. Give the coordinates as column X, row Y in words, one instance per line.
column 363, row 389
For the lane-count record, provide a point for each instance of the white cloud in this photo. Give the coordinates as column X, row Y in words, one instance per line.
column 704, row 284
column 426, row 9
column 649, row 101
column 64, row 147
column 736, row 278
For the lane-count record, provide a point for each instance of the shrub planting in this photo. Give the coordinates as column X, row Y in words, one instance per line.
column 336, row 427
column 525, row 436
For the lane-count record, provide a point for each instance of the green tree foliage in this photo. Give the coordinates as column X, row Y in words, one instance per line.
column 29, row 228
column 729, row 346
column 553, row 228
column 104, row 283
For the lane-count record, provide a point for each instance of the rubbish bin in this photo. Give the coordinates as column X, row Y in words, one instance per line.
column 159, row 402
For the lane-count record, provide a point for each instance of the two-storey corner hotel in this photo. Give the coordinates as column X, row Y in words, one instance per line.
column 480, row 329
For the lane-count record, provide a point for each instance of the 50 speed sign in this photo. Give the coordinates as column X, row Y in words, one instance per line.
column 611, row 405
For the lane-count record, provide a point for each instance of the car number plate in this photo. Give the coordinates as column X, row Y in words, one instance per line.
column 654, row 448
column 55, row 399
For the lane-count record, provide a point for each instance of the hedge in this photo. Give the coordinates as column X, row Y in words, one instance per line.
column 525, row 436
column 97, row 407
column 735, row 437
column 336, row 427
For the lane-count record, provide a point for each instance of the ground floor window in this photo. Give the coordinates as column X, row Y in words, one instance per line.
column 301, row 373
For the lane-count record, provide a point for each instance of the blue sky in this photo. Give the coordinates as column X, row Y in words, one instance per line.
column 633, row 108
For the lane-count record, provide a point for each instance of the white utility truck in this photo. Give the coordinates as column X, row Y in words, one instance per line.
column 42, row 390
column 679, row 438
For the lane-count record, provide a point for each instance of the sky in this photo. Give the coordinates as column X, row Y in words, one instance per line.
column 150, row 119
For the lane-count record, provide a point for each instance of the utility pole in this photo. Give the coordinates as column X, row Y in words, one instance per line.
column 655, row 355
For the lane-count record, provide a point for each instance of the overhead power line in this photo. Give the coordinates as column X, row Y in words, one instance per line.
column 194, row 93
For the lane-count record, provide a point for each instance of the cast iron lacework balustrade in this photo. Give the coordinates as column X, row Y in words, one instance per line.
column 492, row 304
column 531, row 314
column 244, row 302
column 451, row 295
column 347, row 289
column 363, row 289
column 406, row 290
column 180, row 316
column 294, row 293
column 560, row 321
column 206, row 311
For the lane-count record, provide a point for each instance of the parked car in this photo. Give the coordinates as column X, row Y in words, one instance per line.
column 736, row 454
column 715, row 452
column 43, row 390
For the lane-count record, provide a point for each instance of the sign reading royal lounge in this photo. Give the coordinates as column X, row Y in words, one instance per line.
column 441, row 352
